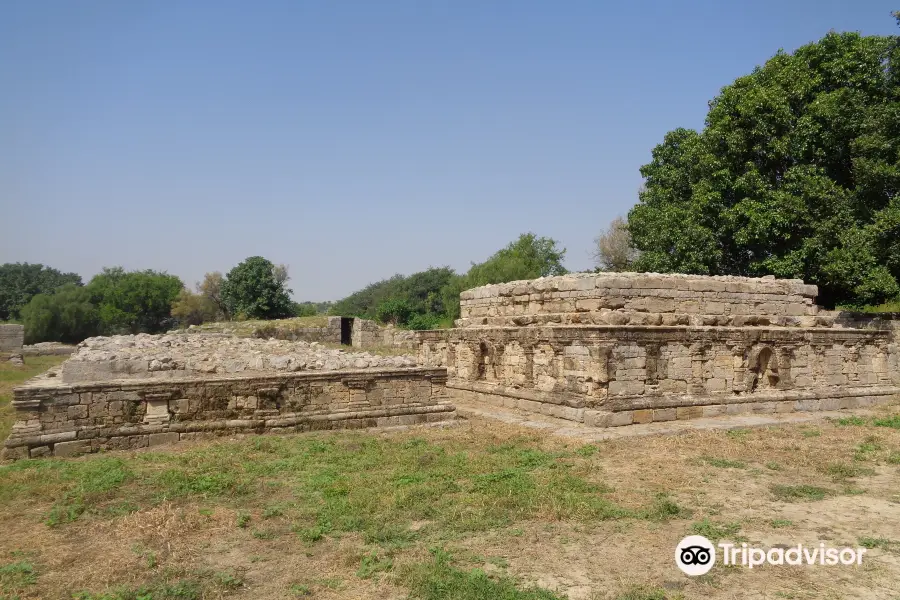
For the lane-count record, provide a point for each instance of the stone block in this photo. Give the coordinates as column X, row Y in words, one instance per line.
column 664, row 414
column 40, row 452
column 618, row 419
column 688, row 412
column 714, row 410
column 808, row 405
column 643, row 416
column 73, row 448
column 78, row 411
column 159, row 439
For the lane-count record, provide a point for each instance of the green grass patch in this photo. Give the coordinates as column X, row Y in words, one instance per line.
column 842, row 471
column 853, row 421
column 324, row 485
column 881, row 543
column 16, row 577
column 799, row 493
column 867, row 448
column 780, row 523
column 893, row 422
column 438, row 579
column 714, row 531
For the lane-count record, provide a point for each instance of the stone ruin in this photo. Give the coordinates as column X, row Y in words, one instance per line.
column 600, row 349
column 127, row 392
column 12, row 338
column 615, row 349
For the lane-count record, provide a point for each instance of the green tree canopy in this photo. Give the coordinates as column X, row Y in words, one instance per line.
column 19, row 282
column 796, row 174
column 134, row 301
column 256, row 289
column 65, row 315
column 528, row 257
column 421, row 291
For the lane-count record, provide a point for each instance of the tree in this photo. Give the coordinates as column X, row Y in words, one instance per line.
column 796, row 175
column 134, row 302
column 613, row 249
column 19, row 282
column 65, row 315
column 395, row 311
column 422, row 291
column 529, row 257
column 193, row 309
column 256, row 289
column 211, row 288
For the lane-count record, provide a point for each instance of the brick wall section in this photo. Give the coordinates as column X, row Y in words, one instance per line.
column 643, row 299
column 63, row 420
column 12, row 337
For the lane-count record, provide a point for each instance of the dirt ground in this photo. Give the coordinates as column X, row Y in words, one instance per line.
column 834, row 482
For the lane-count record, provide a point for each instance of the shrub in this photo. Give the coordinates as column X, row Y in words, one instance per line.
column 64, row 316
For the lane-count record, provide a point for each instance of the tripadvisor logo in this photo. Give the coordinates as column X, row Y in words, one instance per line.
column 696, row 555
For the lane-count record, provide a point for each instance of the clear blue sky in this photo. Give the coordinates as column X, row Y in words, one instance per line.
column 354, row 140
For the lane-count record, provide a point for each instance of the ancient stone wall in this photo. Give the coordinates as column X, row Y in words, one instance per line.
column 616, row 349
column 331, row 333
column 55, row 418
column 369, row 334
column 642, row 299
column 12, row 337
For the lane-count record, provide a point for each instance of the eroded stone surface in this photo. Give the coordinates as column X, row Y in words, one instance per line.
column 185, row 355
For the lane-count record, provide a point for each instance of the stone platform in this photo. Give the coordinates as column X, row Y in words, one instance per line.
column 619, row 349
column 138, row 391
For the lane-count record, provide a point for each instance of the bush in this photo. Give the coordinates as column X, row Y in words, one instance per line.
column 20, row 282
column 193, row 309
column 64, row 316
column 422, row 322
column 394, row 311
column 134, row 302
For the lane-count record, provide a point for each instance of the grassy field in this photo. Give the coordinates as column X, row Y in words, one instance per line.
column 478, row 511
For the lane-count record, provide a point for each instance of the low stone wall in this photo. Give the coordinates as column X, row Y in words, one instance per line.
column 331, row 333
column 54, row 418
column 48, row 349
column 642, row 299
column 621, row 375
column 369, row 334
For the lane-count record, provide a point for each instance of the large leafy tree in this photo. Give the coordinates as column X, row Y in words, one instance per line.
column 65, row 315
column 135, row 301
column 796, row 174
column 256, row 289
column 19, row 282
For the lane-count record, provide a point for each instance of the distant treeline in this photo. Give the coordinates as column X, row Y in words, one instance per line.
column 56, row 306
column 430, row 298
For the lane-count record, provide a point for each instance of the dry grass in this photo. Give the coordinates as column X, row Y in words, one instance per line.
column 483, row 510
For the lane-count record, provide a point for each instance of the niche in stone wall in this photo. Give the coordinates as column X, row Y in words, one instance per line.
column 762, row 372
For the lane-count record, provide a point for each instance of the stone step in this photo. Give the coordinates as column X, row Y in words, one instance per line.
column 569, row 429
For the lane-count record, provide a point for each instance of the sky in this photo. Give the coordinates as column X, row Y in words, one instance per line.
column 352, row 140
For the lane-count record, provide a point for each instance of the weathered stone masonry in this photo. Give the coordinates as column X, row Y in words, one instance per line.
column 664, row 347
column 63, row 420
